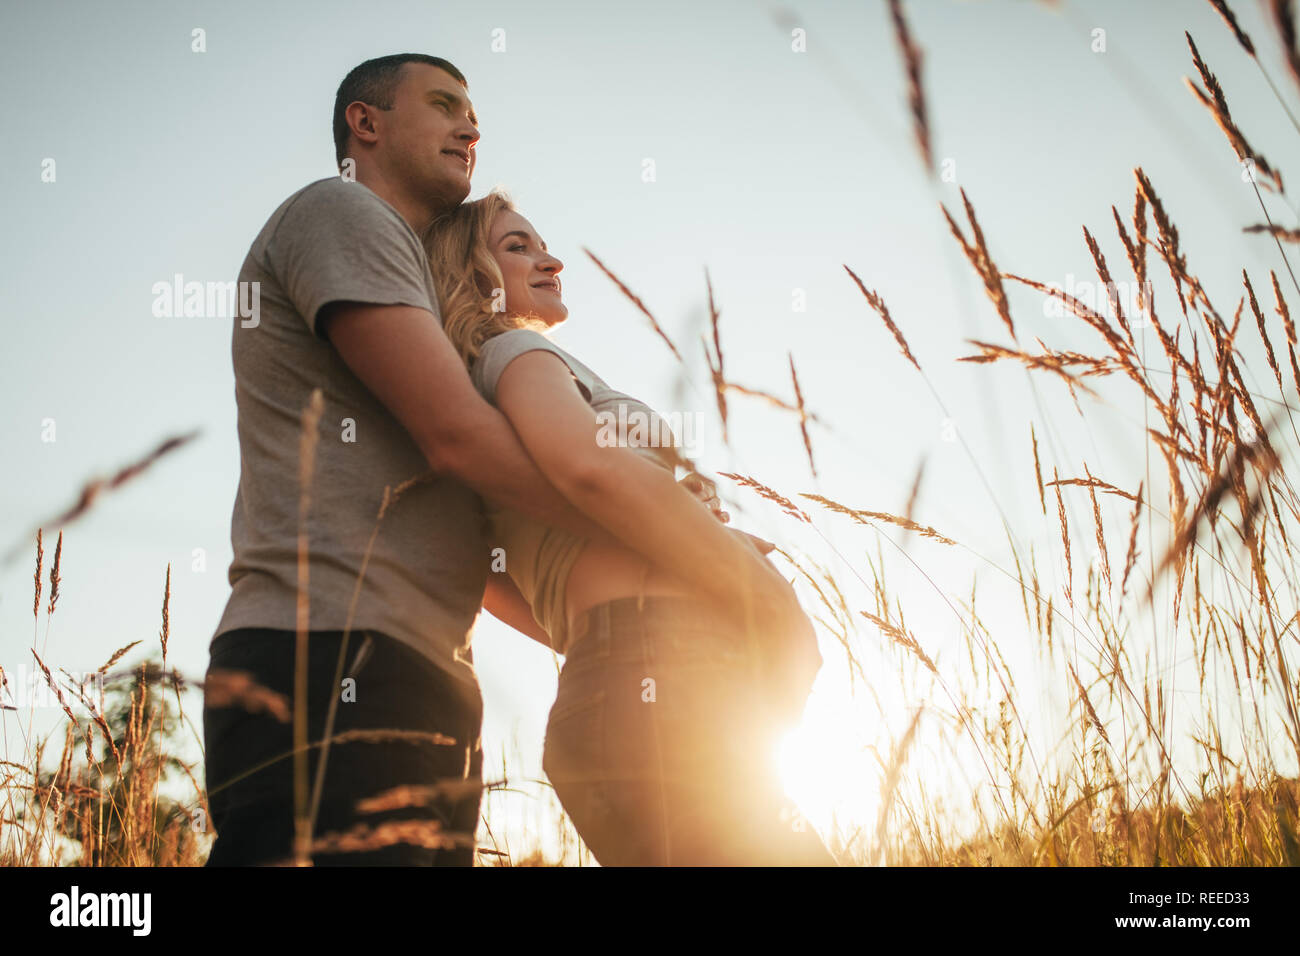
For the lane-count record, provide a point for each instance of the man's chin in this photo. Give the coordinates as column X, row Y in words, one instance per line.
column 450, row 192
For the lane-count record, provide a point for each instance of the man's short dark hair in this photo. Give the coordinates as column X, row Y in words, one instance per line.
column 375, row 83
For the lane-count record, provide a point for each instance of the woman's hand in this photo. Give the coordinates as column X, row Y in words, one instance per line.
column 787, row 647
column 707, row 491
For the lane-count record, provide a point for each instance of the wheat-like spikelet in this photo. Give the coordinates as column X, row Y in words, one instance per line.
column 803, row 415
column 1112, row 296
column 58, row 691
column 772, row 400
column 228, row 688
column 1124, row 354
column 978, row 254
column 910, row 508
column 1263, row 332
column 1131, row 557
column 1136, row 248
column 912, row 58
column 878, row 304
column 765, row 492
column 165, row 632
column 654, row 323
column 1094, row 482
column 117, row 656
column 1288, row 325
column 1284, row 17
column 92, row 490
column 1038, row 471
column 1217, row 104
column 1053, row 362
column 408, row 795
column 864, row 517
column 716, row 372
column 1169, row 245
column 1065, row 537
column 55, row 578
column 1237, row 385
column 1075, row 305
column 1274, row 230
column 1092, row 714
column 1233, row 25
column 78, row 690
column 1101, row 537
column 393, row 494
column 40, row 558
column 424, row 833
column 1228, row 479
column 385, row 735
column 903, row 638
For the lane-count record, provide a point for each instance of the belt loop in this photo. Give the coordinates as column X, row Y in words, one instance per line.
column 640, row 599
column 600, row 623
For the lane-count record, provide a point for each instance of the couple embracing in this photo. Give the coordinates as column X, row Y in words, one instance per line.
column 451, row 430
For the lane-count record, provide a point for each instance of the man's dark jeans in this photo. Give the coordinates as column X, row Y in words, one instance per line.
column 393, row 688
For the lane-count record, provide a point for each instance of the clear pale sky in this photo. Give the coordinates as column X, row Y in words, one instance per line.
column 773, row 167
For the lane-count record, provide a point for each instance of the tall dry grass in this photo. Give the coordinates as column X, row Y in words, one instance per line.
column 1112, row 792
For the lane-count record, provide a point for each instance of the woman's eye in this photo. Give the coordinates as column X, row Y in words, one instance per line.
column 518, row 247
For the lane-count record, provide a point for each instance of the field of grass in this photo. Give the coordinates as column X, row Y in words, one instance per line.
column 1203, row 563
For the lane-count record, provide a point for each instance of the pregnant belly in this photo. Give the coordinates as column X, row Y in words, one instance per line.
column 606, row 572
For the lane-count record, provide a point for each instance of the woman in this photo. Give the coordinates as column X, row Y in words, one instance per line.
column 659, row 744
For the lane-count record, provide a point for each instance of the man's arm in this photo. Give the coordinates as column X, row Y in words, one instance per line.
column 402, row 355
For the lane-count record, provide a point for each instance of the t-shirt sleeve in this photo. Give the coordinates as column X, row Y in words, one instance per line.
column 339, row 242
column 500, row 350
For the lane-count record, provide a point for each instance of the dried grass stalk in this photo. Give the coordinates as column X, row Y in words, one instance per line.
column 878, row 304
column 1217, row 104
column 654, row 323
column 912, row 58
column 978, row 254
column 864, row 517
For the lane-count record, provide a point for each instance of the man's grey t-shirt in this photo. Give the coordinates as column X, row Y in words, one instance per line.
column 427, row 568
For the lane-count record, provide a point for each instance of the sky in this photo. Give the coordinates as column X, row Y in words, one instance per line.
column 769, row 145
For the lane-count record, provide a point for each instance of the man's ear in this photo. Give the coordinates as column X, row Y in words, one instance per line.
column 362, row 121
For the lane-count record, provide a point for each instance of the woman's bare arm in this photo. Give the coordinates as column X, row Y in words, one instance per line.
column 637, row 501
column 504, row 602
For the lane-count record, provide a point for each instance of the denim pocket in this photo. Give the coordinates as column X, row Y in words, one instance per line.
column 575, row 740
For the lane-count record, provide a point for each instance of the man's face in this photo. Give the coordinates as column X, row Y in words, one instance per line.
column 429, row 135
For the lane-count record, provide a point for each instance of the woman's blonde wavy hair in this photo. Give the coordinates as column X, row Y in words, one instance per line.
column 465, row 275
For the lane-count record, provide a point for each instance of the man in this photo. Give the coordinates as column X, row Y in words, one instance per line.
column 346, row 305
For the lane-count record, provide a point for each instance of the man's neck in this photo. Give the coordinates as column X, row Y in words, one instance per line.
column 417, row 213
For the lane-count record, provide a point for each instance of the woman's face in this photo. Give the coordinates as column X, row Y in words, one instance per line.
column 531, row 274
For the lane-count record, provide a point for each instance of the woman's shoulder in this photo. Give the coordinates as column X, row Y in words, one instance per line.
column 500, row 350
